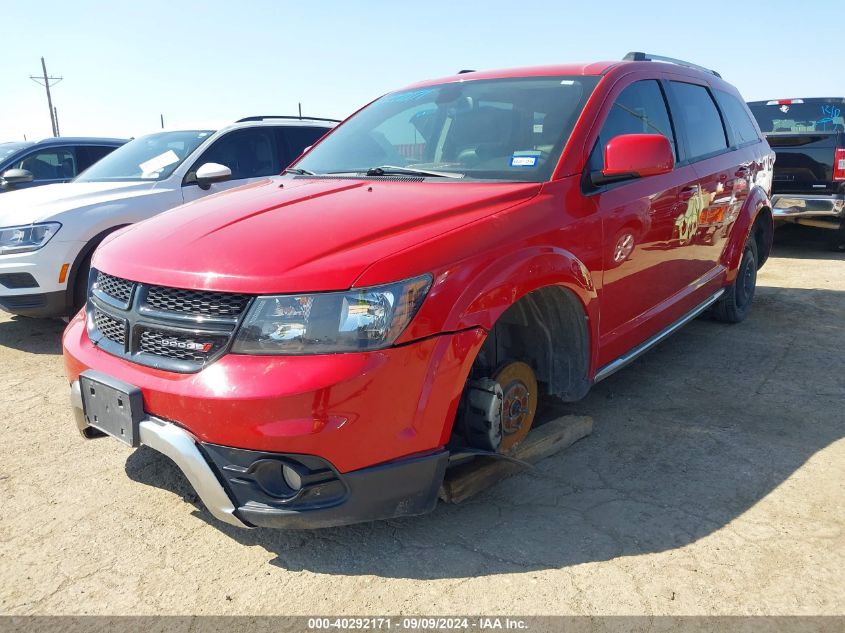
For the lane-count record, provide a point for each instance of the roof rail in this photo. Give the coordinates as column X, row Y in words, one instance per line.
column 465, row 70
column 280, row 116
column 648, row 57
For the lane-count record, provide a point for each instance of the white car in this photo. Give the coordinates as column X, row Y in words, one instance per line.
column 48, row 234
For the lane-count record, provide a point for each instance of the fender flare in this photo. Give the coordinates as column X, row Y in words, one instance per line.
column 502, row 283
column 756, row 204
column 491, row 287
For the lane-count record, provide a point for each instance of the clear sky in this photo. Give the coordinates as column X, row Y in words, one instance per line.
column 211, row 62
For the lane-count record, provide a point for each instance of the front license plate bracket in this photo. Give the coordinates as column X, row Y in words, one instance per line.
column 112, row 406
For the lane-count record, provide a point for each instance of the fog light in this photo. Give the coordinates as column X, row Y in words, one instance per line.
column 292, row 477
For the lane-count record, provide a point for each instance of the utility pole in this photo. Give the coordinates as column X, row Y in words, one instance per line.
column 162, row 121
column 47, row 79
column 56, row 119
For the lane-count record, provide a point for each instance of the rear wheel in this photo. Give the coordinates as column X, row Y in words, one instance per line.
column 837, row 242
column 735, row 304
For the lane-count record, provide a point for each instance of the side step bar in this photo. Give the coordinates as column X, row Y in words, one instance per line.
column 629, row 357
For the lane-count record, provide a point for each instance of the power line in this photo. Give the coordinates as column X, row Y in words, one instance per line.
column 54, row 124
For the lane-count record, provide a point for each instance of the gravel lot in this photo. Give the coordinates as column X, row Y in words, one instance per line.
column 712, row 484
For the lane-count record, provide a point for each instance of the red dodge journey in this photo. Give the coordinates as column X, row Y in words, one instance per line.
column 318, row 348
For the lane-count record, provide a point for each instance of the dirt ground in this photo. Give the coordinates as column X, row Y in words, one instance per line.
column 713, row 483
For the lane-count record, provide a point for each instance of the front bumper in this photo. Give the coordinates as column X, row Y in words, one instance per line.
column 44, row 295
column 354, row 410
column 36, row 304
column 246, row 488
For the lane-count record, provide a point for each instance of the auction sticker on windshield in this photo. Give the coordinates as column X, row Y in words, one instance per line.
column 151, row 168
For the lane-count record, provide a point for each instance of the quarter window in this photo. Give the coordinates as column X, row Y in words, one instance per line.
column 737, row 117
column 705, row 133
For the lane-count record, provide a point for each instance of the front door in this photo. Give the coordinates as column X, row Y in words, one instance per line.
column 644, row 261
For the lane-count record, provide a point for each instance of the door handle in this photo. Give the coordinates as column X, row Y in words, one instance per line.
column 687, row 193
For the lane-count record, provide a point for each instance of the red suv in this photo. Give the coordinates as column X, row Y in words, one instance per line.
column 318, row 348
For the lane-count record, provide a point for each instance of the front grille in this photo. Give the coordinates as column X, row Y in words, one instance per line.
column 198, row 302
column 180, row 346
column 115, row 287
column 167, row 328
column 111, row 328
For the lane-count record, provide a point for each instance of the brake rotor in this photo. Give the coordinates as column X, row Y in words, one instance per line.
column 519, row 404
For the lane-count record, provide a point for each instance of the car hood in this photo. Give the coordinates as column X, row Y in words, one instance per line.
column 37, row 204
column 296, row 235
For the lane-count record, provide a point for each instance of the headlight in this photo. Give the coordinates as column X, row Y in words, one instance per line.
column 30, row 237
column 329, row 322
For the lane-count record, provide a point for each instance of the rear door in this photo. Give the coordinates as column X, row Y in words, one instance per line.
column 251, row 154
column 721, row 187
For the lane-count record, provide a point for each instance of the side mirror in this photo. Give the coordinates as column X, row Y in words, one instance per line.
column 635, row 156
column 12, row 177
column 209, row 173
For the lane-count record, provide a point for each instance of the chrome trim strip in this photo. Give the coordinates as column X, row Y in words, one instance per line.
column 180, row 446
column 629, row 357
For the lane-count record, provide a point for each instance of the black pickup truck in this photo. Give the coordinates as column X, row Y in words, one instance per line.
column 808, row 136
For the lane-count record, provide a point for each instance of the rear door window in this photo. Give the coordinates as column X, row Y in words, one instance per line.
column 293, row 139
column 87, row 155
column 701, row 121
column 737, row 118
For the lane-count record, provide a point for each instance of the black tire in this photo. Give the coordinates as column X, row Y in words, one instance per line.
column 735, row 304
column 837, row 242
column 80, row 285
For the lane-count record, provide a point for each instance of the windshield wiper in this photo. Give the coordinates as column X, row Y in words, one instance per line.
column 299, row 171
column 393, row 170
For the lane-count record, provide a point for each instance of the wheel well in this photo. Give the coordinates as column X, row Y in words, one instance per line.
column 88, row 249
column 762, row 233
column 547, row 329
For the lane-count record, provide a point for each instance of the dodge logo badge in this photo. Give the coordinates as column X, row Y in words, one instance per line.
column 199, row 347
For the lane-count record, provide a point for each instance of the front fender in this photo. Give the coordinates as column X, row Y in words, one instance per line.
column 757, row 202
column 503, row 281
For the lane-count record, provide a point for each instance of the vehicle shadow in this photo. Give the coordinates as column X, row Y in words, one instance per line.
column 686, row 439
column 803, row 242
column 37, row 336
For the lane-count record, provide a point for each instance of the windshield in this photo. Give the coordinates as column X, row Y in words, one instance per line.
column 501, row 129
column 7, row 149
column 815, row 116
column 152, row 157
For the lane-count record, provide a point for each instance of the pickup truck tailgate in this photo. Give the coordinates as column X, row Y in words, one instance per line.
column 805, row 162
column 805, row 134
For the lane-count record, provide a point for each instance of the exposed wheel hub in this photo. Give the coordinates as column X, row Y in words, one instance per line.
column 519, row 403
